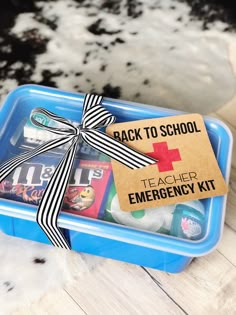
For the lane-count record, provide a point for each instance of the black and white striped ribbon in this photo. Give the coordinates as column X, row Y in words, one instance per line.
column 94, row 116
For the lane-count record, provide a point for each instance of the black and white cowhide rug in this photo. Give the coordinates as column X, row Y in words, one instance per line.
column 170, row 53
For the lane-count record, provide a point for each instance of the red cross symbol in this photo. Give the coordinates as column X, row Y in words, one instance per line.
column 164, row 156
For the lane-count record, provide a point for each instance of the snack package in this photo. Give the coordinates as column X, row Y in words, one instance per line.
column 87, row 192
column 29, row 136
column 85, row 195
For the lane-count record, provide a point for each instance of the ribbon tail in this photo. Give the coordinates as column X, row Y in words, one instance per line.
column 11, row 164
column 53, row 197
column 116, row 150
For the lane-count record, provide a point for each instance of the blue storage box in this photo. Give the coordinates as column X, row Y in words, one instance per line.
column 94, row 236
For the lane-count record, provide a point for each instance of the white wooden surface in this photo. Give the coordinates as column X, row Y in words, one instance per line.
column 208, row 286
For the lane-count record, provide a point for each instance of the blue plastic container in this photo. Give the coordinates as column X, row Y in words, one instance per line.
column 97, row 237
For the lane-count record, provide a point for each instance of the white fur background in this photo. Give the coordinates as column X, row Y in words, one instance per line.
column 28, row 270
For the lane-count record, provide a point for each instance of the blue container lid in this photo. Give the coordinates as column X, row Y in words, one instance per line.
column 20, row 103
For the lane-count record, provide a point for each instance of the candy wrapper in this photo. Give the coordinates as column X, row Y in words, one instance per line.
column 85, row 194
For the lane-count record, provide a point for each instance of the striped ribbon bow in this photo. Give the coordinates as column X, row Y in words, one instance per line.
column 94, row 116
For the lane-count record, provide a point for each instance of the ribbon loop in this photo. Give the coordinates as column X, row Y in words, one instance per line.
column 97, row 117
column 94, row 116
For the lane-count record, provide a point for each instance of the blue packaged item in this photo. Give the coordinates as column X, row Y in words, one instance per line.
column 188, row 220
column 147, row 248
column 33, row 136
